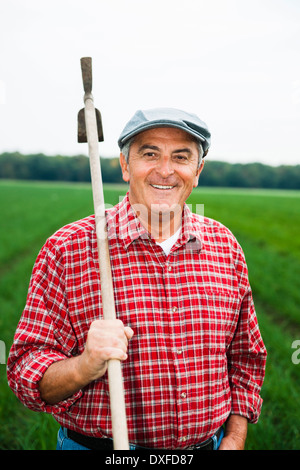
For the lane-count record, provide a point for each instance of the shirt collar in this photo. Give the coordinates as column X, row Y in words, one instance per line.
column 128, row 228
column 191, row 229
column 123, row 223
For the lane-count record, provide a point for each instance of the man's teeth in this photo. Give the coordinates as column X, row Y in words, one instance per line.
column 159, row 186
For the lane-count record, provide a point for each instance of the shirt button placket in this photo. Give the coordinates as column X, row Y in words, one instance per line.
column 178, row 353
column 183, row 432
column 182, row 395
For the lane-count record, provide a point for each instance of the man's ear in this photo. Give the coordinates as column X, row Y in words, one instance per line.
column 196, row 181
column 124, row 168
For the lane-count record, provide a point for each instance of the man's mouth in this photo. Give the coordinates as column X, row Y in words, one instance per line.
column 162, row 186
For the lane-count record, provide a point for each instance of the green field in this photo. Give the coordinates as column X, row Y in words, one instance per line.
column 266, row 223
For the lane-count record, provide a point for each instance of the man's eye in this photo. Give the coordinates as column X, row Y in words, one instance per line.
column 150, row 154
column 181, row 158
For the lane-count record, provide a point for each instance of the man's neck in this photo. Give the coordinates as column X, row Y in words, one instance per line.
column 160, row 225
column 162, row 231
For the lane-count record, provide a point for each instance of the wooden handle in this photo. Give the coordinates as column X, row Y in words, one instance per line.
column 116, row 391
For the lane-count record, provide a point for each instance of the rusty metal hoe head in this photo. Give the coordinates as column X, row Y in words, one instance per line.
column 86, row 69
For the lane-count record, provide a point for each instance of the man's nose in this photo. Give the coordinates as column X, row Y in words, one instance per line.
column 165, row 166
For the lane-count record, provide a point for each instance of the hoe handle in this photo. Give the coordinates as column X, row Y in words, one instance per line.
column 116, row 392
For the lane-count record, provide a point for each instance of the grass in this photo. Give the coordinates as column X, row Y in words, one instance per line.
column 266, row 223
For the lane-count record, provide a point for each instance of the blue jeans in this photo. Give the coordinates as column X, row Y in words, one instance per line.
column 217, row 441
column 65, row 443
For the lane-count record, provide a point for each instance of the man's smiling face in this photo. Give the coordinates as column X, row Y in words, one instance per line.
column 162, row 168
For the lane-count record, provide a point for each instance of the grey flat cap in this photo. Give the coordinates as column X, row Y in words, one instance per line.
column 166, row 117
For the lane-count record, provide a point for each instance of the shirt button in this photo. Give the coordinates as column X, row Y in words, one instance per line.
column 183, row 395
column 179, row 351
column 184, row 439
column 174, row 309
column 169, row 268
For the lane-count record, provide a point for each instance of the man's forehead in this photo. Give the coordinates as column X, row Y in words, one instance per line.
column 164, row 134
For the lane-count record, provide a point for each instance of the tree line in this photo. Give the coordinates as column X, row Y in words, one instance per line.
column 216, row 173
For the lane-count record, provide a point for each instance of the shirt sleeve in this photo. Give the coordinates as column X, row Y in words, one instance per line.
column 44, row 334
column 247, row 353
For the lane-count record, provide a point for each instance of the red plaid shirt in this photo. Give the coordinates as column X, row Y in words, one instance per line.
column 197, row 354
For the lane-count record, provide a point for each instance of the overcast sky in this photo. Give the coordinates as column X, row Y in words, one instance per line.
column 235, row 63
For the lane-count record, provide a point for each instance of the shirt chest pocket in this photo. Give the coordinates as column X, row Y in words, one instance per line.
column 218, row 317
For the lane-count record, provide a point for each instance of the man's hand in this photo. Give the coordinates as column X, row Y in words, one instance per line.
column 235, row 433
column 107, row 339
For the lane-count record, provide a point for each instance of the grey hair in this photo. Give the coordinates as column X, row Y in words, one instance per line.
column 126, row 149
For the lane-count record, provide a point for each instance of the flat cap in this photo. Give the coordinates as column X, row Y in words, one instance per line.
column 144, row 120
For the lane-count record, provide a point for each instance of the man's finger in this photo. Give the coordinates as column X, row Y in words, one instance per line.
column 128, row 332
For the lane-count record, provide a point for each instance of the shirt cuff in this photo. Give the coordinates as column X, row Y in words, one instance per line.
column 246, row 404
column 28, row 387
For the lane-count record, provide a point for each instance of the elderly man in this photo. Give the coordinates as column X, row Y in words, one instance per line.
column 186, row 328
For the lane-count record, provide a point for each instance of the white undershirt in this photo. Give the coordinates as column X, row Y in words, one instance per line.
column 167, row 244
